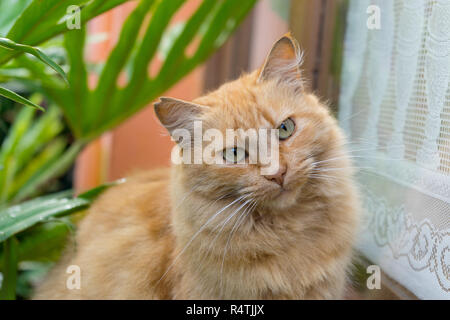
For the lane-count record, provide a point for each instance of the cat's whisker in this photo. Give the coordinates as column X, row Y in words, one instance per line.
column 359, row 140
column 211, row 203
column 351, row 116
column 353, row 157
column 244, row 196
column 195, row 236
column 192, row 191
column 241, row 219
column 363, row 142
column 208, row 204
column 329, row 178
column 357, row 152
column 373, row 149
column 324, row 169
column 223, row 223
column 186, row 197
column 236, row 225
column 325, row 175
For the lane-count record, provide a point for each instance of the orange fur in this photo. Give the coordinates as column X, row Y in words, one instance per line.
column 149, row 238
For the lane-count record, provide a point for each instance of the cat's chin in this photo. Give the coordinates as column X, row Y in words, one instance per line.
column 283, row 199
column 287, row 196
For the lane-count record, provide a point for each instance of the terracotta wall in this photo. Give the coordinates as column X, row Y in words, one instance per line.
column 269, row 24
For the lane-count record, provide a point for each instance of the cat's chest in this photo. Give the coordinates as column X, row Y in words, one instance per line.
column 267, row 278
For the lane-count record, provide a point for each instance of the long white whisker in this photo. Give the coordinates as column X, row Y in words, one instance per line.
column 329, row 178
column 223, row 223
column 325, row 169
column 235, row 227
column 352, row 157
column 196, row 234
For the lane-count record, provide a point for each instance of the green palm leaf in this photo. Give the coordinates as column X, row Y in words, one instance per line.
column 11, row 45
column 19, row 99
column 42, row 20
column 20, row 217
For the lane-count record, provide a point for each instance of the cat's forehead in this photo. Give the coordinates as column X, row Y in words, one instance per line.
column 240, row 105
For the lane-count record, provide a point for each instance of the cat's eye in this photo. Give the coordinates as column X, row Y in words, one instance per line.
column 234, row 155
column 286, row 129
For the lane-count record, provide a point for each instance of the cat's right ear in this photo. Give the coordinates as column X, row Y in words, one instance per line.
column 177, row 114
column 283, row 63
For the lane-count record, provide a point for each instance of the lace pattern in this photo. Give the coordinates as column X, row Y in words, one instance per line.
column 395, row 108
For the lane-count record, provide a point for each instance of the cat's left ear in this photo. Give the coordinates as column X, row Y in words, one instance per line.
column 283, row 63
column 177, row 114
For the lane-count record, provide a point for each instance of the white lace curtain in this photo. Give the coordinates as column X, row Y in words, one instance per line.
column 395, row 108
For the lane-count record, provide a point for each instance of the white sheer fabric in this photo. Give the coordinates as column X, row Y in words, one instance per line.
column 395, row 107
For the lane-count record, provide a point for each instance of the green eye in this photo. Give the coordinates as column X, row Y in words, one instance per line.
column 234, row 155
column 286, row 129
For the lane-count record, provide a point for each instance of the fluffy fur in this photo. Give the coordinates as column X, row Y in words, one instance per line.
column 227, row 232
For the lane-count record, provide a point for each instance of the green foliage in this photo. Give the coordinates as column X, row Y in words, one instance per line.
column 24, row 215
column 43, row 20
column 13, row 46
column 17, row 98
column 32, row 153
column 9, row 268
column 9, row 11
column 35, row 22
column 40, row 241
column 145, row 34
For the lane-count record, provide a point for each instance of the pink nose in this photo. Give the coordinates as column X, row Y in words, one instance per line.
column 278, row 177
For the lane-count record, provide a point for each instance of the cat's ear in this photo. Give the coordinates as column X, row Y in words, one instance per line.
column 283, row 62
column 177, row 114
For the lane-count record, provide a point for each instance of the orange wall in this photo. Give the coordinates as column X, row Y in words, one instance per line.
column 268, row 26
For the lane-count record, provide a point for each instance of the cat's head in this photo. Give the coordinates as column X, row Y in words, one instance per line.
column 272, row 97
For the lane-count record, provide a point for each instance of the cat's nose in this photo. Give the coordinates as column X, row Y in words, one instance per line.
column 278, row 177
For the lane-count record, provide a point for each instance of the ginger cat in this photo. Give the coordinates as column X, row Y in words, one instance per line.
column 207, row 231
